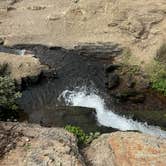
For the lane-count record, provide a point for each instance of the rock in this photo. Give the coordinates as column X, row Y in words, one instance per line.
column 151, row 117
column 36, row 7
column 53, row 17
column 60, row 116
column 111, row 67
column 1, row 40
column 129, row 95
column 126, row 148
column 103, row 51
column 49, row 74
column 45, row 146
column 7, row 114
column 22, row 67
column 113, row 80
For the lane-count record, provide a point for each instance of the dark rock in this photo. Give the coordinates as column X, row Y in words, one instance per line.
column 99, row 50
column 29, row 81
column 49, row 74
column 111, row 67
column 151, row 117
column 131, row 83
column 113, row 80
column 8, row 114
column 1, row 40
column 139, row 98
column 130, row 95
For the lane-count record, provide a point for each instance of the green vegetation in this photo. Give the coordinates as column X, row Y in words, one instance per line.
column 27, row 146
column 8, row 93
column 158, row 77
column 83, row 138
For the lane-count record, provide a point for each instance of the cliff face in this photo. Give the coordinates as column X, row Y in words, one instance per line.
column 139, row 25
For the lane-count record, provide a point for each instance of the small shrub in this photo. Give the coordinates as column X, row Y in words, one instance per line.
column 8, row 93
column 158, row 77
column 83, row 138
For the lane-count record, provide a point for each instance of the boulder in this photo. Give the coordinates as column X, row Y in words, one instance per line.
column 27, row 144
column 127, row 149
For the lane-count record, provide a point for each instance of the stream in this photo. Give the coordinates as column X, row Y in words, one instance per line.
column 80, row 82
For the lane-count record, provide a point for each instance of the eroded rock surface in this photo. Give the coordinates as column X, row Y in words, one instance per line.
column 33, row 145
column 128, row 149
column 22, row 66
column 139, row 25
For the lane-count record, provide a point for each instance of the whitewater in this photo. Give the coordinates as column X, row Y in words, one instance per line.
column 106, row 117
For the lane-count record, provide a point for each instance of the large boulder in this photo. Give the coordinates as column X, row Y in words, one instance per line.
column 21, row 67
column 128, row 149
column 25, row 144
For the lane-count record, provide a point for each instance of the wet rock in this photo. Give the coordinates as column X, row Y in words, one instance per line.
column 113, row 80
column 29, row 81
column 126, row 148
column 129, row 95
column 111, row 67
column 131, row 83
column 151, row 117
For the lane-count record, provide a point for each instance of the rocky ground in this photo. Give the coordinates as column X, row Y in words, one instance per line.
column 109, row 44
column 27, row 144
column 139, row 25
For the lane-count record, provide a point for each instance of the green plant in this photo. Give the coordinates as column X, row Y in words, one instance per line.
column 8, row 93
column 81, row 136
column 158, row 77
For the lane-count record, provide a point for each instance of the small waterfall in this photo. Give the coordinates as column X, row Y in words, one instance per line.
column 105, row 117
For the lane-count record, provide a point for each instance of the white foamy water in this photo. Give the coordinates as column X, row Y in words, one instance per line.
column 106, row 117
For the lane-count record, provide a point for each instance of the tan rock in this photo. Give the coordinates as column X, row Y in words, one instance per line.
column 137, row 24
column 45, row 146
column 22, row 66
column 127, row 149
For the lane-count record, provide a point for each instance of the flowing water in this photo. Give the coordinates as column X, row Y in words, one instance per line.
column 107, row 117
